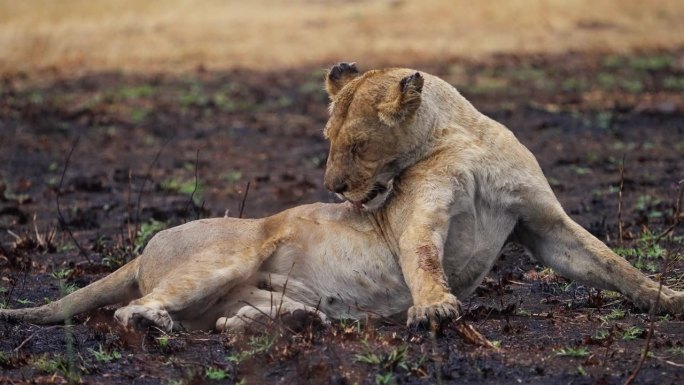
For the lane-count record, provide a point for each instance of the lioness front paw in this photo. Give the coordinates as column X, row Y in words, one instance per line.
column 446, row 309
column 139, row 317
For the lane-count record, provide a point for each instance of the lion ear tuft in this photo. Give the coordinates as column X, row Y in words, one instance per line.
column 403, row 102
column 338, row 76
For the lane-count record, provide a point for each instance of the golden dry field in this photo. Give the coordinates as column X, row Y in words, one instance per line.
column 175, row 35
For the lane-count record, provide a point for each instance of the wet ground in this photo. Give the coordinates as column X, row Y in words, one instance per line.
column 151, row 152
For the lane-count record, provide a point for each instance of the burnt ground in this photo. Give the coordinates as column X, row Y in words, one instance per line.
column 157, row 151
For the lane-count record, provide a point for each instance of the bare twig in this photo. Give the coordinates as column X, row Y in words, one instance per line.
column 29, row 338
column 148, row 176
column 472, row 336
column 244, row 198
column 644, row 354
column 677, row 214
column 287, row 278
column 131, row 236
column 619, row 213
column 191, row 201
column 272, row 319
column 62, row 222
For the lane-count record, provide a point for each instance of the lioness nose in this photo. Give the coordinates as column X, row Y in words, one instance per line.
column 338, row 185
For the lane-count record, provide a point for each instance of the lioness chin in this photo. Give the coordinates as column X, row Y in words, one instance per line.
column 434, row 188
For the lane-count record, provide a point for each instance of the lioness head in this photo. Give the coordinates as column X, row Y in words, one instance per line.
column 370, row 131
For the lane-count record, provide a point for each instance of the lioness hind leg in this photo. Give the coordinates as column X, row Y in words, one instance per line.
column 139, row 317
column 574, row 253
column 264, row 313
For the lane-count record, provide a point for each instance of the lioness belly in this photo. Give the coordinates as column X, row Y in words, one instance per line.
column 473, row 244
column 349, row 278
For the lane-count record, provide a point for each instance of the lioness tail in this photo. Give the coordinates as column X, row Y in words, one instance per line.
column 117, row 287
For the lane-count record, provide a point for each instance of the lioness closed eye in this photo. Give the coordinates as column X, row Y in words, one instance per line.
column 434, row 190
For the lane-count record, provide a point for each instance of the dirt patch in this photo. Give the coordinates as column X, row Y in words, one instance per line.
column 158, row 150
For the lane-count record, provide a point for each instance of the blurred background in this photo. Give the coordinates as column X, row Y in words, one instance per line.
column 175, row 35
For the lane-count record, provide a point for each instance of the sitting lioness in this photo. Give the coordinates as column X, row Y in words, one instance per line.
column 434, row 190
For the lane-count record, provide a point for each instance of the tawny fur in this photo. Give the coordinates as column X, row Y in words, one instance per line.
column 435, row 191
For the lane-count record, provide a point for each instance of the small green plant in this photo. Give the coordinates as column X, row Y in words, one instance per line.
column 632, row 85
column 523, row 312
column 486, row 83
column 68, row 288
column 238, row 357
column 396, row 358
column 101, row 355
column 138, row 115
column 64, row 247
column 601, row 335
column 313, row 87
column 216, row 374
column 565, row 287
column 646, row 201
column 257, row 345
column 613, row 61
column 232, row 176
column 604, row 120
column 569, row 351
column 54, row 365
column 147, row 230
column 261, row 344
column 679, row 351
column 574, row 84
column 644, row 251
column 368, row 358
column 163, row 342
column 114, row 260
column 24, row 301
column 606, row 80
column 190, row 187
column 615, row 314
column 61, row 274
column 581, row 371
column 632, row 333
column 134, row 92
column 651, row 63
column 4, row 358
column 383, row 379
column 579, row 170
column 674, row 83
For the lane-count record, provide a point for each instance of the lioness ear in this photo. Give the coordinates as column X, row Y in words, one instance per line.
column 403, row 101
column 339, row 75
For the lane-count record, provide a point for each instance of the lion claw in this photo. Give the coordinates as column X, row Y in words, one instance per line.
column 442, row 311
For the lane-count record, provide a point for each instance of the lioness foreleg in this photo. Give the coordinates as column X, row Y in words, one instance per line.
column 421, row 254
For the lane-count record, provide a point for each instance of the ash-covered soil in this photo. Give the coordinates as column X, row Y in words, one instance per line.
column 151, row 152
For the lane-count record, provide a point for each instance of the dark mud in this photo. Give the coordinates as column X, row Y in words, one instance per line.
column 156, row 151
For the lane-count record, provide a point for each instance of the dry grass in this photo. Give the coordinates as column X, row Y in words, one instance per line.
column 163, row 35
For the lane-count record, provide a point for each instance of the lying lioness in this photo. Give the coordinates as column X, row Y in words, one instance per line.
column 434, row 190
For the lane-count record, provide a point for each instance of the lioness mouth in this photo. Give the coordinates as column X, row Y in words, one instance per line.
column 374, row 192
